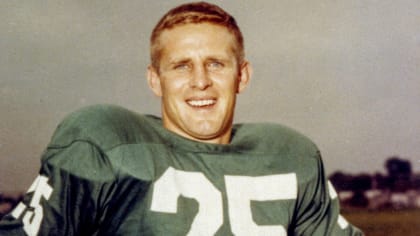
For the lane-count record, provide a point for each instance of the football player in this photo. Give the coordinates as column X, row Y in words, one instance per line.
column 111, row 171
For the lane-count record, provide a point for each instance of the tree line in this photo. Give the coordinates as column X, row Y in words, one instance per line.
column 399, row 178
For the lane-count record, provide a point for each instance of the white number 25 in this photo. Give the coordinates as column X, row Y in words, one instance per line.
column 241, row 190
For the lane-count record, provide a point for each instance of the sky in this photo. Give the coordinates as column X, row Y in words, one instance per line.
column 344, row 73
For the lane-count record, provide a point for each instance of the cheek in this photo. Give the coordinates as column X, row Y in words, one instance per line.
column 171, row 86
column 229, row 86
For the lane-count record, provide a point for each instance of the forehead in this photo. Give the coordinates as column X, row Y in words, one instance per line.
column 197, row 35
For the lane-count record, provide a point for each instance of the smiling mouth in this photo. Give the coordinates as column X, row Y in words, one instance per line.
column 201, row 102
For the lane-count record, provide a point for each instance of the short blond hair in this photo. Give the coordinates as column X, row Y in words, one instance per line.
column 195, row 13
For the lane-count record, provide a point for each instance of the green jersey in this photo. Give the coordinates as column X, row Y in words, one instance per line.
column 110, row 171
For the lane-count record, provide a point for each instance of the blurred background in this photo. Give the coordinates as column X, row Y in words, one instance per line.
column 345, row 73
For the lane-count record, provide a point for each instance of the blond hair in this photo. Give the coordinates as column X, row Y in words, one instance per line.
column 195, row 13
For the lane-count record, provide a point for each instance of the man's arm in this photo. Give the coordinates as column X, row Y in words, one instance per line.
column 319, row 210
column 65, row 198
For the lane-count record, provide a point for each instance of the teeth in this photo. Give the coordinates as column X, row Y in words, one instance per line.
column 200, row 103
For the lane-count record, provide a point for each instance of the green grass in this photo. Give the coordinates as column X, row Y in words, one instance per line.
column 385, row 222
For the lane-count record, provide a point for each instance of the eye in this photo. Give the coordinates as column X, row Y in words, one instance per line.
column 181, row 66
column 215, row 65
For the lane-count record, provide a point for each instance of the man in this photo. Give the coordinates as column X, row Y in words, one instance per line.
column 110, row 171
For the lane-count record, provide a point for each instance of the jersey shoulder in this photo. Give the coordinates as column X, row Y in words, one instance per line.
column 273, row 138
column 287, row 149
column 105, row 126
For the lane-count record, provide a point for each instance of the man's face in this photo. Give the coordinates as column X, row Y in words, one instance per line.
column 198, row 80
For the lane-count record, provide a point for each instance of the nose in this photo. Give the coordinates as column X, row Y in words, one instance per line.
column 200, row 78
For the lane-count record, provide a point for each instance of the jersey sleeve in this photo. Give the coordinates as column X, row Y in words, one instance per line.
column 69, row 195
column 318, row 208
column 79, row 190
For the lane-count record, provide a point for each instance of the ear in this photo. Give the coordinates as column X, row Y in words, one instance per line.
column 244, row 76
column 153, row 80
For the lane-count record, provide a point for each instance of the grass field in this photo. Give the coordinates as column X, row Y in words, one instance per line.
column 385, row 222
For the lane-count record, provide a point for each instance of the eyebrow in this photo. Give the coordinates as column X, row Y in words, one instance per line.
column 223, row 60
column 209, row 58
column 179, row 61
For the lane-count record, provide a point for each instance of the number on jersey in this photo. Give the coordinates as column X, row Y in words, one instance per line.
column 241, row 190
column 33, row 213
